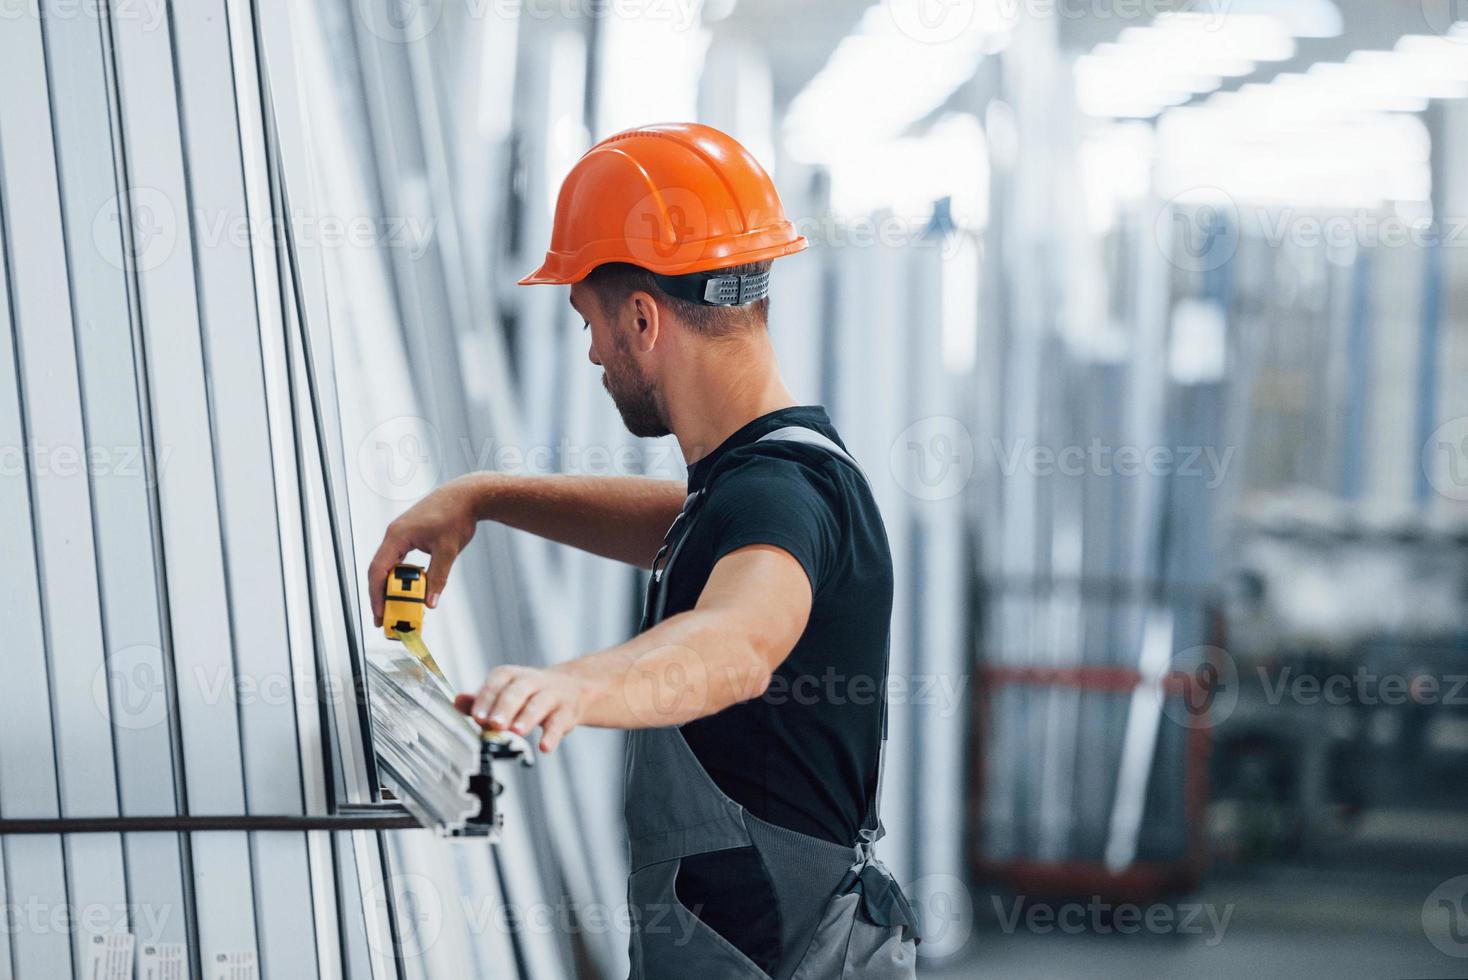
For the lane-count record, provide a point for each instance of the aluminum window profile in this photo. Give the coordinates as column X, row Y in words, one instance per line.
column 940, row 584
column 320, row 861
column 363, row 897
column 336, row 693
column 372, row 346
column 428, row 750
column 429, row 293
column 138, row 691
column 279, row 416
column 197, row 598
column 60, row 499
column 869, row 406
column 248, row 523
column 34, row 866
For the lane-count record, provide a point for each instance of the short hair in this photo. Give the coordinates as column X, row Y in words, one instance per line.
column 615, row 281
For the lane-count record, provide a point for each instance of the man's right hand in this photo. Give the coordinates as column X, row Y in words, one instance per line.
column 440, row 524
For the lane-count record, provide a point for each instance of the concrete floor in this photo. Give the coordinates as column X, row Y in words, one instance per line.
column 1297, row 924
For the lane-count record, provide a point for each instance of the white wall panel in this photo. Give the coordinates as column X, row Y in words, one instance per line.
column 136, row 694
column 34, row 869
column 193, row 554
column 60, row 493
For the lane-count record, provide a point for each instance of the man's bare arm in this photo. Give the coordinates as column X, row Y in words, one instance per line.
column 620, row 517
column 721, row 652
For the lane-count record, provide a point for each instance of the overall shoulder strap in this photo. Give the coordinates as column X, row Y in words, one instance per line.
column 810, row 437
column 871, row 828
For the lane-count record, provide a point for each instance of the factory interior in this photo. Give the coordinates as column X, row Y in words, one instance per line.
column 1142, row 318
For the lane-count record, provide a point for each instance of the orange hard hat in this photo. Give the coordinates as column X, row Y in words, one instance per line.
column 674, row 198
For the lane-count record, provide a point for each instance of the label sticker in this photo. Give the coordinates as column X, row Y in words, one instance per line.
column 110, row 956
column 163, row 961
column 233, row 966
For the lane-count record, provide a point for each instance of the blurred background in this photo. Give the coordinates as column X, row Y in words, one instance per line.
column 1143, row 316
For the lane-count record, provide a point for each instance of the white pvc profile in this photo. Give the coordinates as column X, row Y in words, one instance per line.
column 870, row 392
column 314, row 392
column 222, row 227
column 134, row 688
column 189, row 512
column 34, row 866
column 61, row 509
column 941, row 653
column 359, row 903
column 293, row 584
column 428, row 750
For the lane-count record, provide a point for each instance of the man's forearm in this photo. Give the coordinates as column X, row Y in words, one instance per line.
column 688, row 666
column 620, row 517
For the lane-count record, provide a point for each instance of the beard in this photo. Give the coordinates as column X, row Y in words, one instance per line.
column 633, row 394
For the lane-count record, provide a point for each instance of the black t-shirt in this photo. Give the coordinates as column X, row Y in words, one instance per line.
column 804, row 755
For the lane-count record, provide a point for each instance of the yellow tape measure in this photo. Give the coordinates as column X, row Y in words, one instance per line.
column 402, row 620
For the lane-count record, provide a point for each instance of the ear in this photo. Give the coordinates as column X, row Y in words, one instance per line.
column 645, row 320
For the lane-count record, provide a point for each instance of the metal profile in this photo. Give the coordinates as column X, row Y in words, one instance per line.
column 434, row 758
column 89, row 170
column 60, row 505
column 28, row 784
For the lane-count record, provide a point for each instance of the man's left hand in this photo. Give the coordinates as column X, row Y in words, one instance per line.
column 522, row 698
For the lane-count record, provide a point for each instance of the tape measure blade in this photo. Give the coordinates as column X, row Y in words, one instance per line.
column 419, row 649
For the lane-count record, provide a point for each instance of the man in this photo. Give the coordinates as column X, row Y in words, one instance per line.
column 753, row 691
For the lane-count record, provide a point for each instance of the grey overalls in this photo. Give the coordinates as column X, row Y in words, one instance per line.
column 842, row 915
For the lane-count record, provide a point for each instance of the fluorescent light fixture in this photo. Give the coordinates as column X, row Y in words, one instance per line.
column 1177, row 56
column 950, row 160
column 1436, row 56
column 1302, row 18
column 882, row 78
column 1402, row 74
